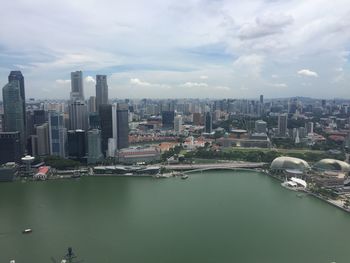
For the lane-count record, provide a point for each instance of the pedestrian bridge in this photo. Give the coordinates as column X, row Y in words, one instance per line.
column 223, row 168
column 215, row 166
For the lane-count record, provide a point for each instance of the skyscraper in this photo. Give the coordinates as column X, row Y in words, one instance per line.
column 282, row 125
column 77, row 92
column 101, row 90
column 17, row 75
column 105, row 112
column 76, row 144
column 78, row 115
column 208, row 122
column 42, row 132
column 57, row 134
column 178, row 124
column 13, row 110
column 122, row 125
column 94, row 146
column 10, row 147
column 92, row 104
column 168, row 119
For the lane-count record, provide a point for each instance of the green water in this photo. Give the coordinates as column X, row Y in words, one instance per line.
column 210, row 217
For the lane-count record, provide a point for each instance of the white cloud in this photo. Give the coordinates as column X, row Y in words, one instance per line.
column 199, row 38
column 90, row 79
column 195, row 85
column 222, row 88
column 139, row 82
column 307, row 73
column 249, row 64
column 62, row 81
column 279, row 85
column 265, row 25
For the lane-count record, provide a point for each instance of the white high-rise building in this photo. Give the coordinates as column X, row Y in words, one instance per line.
column 178, row 124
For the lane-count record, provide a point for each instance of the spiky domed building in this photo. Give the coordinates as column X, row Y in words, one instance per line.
column 284, row 163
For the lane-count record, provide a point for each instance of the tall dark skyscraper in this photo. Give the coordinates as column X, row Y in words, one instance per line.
column 101, row 90
column 10, row 147
column 122, row 125
column 17, row 75
column 13, row 110
column 261, row 99
column 76, row 145
column 105, row 112
column 208, row 122
column 168, row 119
column 282, row 125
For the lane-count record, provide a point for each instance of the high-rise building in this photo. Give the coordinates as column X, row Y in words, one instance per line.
column 42, row 133
column 76, row 144
column 94, row 120
column 208, row 122
column 282, row 125
column 39, row 117
column 13, row 110
column 178, row 124
column 309, row 127
column 197, row 118
column 92, row 104
column 122, row 125
column 261, row 99
column 57, row 134
column 94, row 146
column 260, row 126
column 10, row 147
column 77, row 92
column 78, row 115
column 17, row 76
column 105, row 113
column 168, row 119
column 101, row 90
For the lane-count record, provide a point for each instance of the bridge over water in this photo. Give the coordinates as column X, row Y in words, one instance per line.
column 186, row 168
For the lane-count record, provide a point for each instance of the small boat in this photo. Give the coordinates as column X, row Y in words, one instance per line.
column 184, row 176
column 27, row 231
column 76, row 174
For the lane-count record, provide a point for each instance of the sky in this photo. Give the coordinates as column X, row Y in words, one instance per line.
column 179, row 49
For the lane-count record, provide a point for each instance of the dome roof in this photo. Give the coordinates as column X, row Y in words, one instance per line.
column 285, row 162
column 332, row 165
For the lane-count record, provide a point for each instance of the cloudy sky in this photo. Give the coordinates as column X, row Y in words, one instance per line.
column 172, row 48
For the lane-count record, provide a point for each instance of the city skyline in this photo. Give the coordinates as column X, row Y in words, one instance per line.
column 176, row 50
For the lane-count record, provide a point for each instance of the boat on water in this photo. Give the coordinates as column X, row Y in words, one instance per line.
column 27, row 231
column 184, row 176
column 295, row 184
column 76, row 174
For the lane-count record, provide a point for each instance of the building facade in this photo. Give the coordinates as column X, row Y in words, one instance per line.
column 57, row 134
column 10, row 147
column 101, row 90
column 77, row 92
column 94, row 146
column 14, row 117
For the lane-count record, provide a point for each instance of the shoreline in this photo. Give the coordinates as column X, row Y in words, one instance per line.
column 175, row 173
